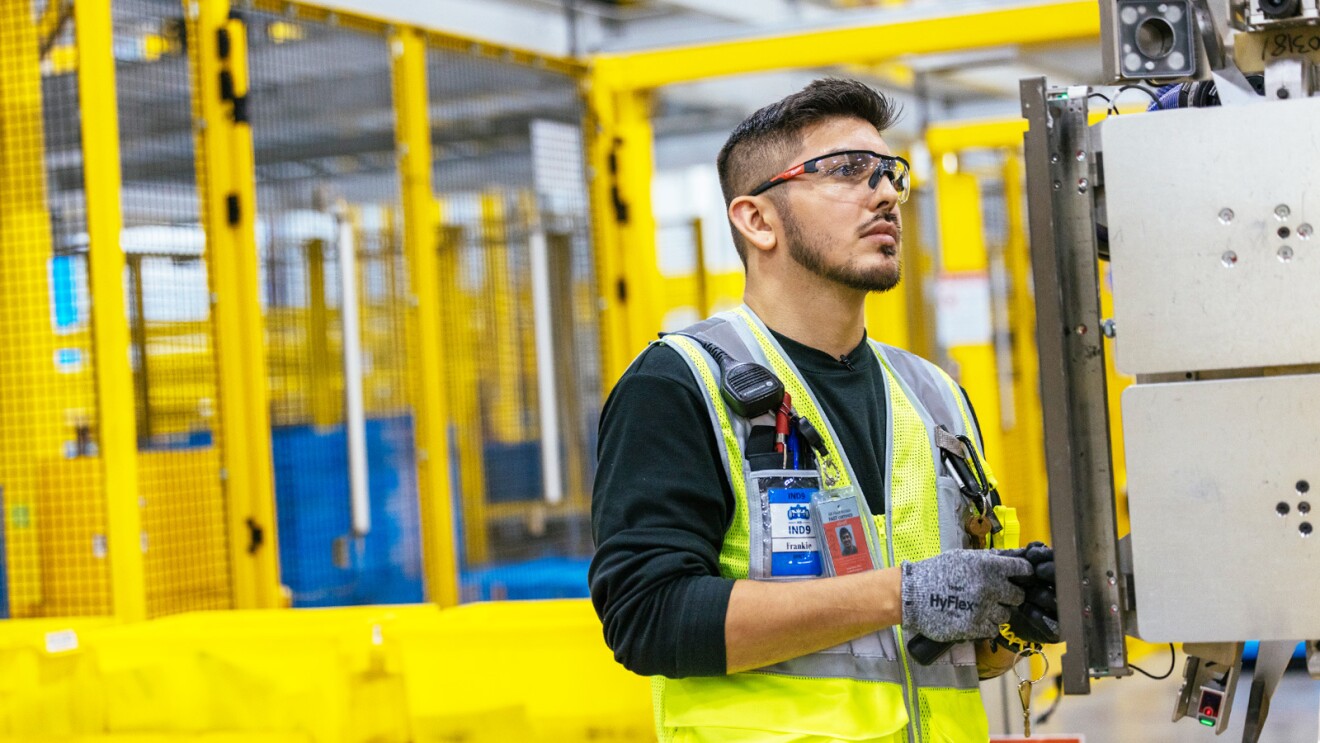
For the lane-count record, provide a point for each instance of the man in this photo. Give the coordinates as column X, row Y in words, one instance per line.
column 846, row 544
column 693, row 578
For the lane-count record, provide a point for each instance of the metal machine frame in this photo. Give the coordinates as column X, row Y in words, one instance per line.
column 1061, row 187
column 1072, row 222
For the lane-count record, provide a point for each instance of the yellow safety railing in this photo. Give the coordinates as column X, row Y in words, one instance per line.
column 413, row 133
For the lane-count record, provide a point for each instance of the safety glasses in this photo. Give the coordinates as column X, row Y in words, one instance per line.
column 850, row 168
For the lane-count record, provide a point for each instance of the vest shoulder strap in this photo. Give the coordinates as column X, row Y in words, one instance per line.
column 719, row 330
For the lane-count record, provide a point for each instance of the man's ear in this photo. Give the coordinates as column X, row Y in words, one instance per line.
column 756, row 219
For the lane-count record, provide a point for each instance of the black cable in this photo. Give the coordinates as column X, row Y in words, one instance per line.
column 1098, row 95
column 1044, row 717
column 1113, row 104
column 1058, row 696
column 715, row 351
column 1173, row 660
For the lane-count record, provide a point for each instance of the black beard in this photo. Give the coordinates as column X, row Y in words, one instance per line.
column 810, row 255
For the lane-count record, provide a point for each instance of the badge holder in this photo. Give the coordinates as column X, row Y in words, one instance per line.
column 838, row 514
column 794, row 542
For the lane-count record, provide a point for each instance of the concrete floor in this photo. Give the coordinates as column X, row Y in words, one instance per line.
column 1138, row 709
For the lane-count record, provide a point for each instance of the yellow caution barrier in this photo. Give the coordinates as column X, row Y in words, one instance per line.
column 509, row 671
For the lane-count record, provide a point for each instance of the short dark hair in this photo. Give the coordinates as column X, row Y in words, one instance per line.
column 774, row 132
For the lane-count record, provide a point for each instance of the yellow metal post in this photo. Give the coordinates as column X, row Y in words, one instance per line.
column 603, row 164
column 225, row 176
column 918, row 268
column 138, row 336
column 324, row 403
column 526, row 219
column 982, row 134
column 933, row 32
column 1028, row 436
column 699, row 273
column 965, row 294
column 420, row 221
column 636, row 245
column 116, row 416
column 391, row 393
column 458, row 312
column 622, row 157
column 502, row 362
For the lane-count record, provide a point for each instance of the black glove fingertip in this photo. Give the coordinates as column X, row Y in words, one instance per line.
column 1045, row 572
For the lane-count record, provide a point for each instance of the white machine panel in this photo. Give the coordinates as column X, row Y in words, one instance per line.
column 1224, row 498
column 1212, row 216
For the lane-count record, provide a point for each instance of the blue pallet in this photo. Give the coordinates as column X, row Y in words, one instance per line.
column 1252, row 647
column 543, row 578
column 176, row 441
column 513, row 471
column 312, row 501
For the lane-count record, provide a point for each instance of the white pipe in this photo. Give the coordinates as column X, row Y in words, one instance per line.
column 543, row 332
column 355, row 418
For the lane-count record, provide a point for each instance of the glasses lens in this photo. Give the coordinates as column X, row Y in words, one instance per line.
column 899, row 176
column 847, row 167
column 897, row 171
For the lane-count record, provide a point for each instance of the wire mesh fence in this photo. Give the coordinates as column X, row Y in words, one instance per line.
column 513, row 244
column 169, row 312
column 509, row 178
column 53, row 533
column 327, row 182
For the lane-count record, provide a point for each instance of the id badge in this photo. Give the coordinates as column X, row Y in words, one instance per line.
column 793, row 543
column 837, row 515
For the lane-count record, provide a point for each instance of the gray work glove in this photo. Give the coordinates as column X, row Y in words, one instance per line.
column 961, row 594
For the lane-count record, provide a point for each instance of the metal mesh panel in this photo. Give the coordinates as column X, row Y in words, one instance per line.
column 508, row 171
column 184, row 518
column 323, row 129
column 52, row 536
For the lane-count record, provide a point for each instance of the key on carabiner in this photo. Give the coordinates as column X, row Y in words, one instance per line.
column 1024, row 692
column 1024, row 686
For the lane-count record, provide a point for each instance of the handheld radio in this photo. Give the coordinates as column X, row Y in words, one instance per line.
column 748, row 388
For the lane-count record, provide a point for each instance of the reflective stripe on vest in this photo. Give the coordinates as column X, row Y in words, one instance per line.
column 923, row 516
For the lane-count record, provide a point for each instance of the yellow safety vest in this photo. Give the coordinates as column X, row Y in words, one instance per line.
column 867, row 689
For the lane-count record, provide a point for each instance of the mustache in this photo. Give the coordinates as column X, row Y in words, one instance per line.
column 890, row 217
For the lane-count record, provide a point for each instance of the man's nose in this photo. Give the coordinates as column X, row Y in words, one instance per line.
column 884, row 196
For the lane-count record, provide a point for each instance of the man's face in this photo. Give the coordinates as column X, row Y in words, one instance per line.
column 846, row 538
column 848, row 235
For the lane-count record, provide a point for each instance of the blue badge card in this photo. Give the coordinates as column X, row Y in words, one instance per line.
column 794, row 550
